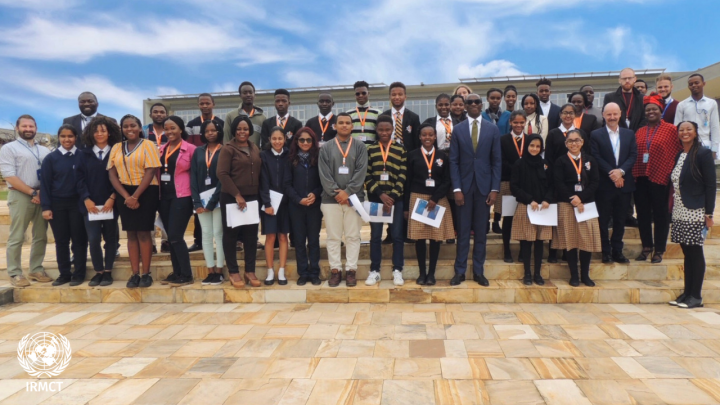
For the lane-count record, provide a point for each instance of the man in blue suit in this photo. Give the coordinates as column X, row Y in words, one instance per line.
column 615, row 150
column 475, row 166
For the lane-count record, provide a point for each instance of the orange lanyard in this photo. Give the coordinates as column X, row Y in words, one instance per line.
column 364, row 117
column 251, row 113
column 344, row 154
column 277, row 120
column 430, row 162
column 211, row 119
column 168, row 154
column 578, row 168
column 448, row 127
column 209, row 157
column 521, row 148
column 578, row 120
column 384, row 154
column 327, row 124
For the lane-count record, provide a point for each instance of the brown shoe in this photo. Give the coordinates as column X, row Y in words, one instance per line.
column 335, row 277
column 236, row 280
column 251, row 279
column 350, row 279
column 19, row 281
column 40, row 277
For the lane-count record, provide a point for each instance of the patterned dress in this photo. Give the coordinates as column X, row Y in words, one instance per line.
column 687, row 224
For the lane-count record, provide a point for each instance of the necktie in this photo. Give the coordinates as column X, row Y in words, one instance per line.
column 448, row 134
column 398, row 128
column 324, row 121
column 100, row 154
column 282, row 122
column 529, row 130
column 475, row 135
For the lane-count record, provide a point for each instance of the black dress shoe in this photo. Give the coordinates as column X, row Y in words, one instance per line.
column 588, row 282
column 679, row 300
column 457, row 279
column 62, row 280
column 421, row 280
column 691, row 302
column 508, row 259
column 631, row 222
column 620, row 258
column 574, row 282
column 194, row 248
column 315, row 281
column 552, row 259
column 496, row 227
column 302, row 280
column 607, row 258
column 480, row 279
column 430, row 279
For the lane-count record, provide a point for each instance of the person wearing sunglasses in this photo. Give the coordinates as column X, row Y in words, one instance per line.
column 364, row 117
column 703, row 111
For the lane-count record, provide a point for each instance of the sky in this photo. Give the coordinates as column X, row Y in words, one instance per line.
column 127, row 51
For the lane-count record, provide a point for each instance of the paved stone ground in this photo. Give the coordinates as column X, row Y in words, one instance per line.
column 370, row 354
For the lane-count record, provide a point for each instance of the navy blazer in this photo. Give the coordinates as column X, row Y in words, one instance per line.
column 483, row 166
column 553, row 116
column 411, row 139
column 602, row 151
column 698, row 191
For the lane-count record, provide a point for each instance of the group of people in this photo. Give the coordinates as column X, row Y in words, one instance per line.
column 652, row 149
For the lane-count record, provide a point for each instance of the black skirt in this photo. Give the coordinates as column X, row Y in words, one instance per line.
column 143, row 218
column 274, row 224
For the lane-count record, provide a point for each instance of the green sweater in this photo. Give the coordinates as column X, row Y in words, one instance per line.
column 257, row 119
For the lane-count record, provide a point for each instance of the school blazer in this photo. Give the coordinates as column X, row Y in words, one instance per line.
column 602, row 151
column 589, row 123
column 483, row 166
column 698, row 191
column 76, row 121
column 411, row 139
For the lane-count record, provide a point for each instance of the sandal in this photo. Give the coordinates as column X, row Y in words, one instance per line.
column 644, row 254
column 657, row 257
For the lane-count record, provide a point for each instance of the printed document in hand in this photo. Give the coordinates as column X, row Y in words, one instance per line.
column 236, row 217
column 546, row 217
column 376, row 213
column 358, row 207
column 509, row 204
column 590, row 212
column 421, row 214
column 100, row 216
column 206, row 195
column 275, row 200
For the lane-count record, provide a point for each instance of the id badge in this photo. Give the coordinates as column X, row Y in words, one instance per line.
column 384, row 176
column 208, row 181
column 578, row 188
column 430, row 183
column 646, row 157
column 362, row 138
column 321, row 143
column 38, row 175
column 627, row 122
column 165, row 177
column 343, row 170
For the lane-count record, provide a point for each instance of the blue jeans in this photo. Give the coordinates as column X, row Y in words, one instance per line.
column 306, row 223
column 96, row 232
column 396, row 233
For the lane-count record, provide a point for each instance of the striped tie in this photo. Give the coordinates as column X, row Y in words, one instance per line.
column 398, row 129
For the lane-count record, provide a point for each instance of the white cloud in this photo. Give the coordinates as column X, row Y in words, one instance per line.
column 493, row 68
column 39, row 5
column 225, row 87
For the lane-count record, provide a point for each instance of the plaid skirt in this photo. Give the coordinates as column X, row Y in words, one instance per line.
column 504, row 190
column 569, row 234
column 522, row 229
column 418, row 230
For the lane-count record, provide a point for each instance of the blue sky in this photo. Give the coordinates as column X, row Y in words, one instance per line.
column 126, row 51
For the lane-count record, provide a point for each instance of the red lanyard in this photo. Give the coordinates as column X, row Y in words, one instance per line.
column 578, row 168
column 430, row 162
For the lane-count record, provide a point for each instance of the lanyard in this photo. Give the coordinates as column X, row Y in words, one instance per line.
column 616, row 145
column 344, row 154
column 278, row 120
column 364, row 117
column 384, row 153
column 521, row 148
column 665, row 109
column 649, row 139
column 168, row 154
column 429, row 163
column 211, row 119
column 578, row 120
column 627, row 112
column 209, row 157
column 578, row 168
column 448, row 127
column 327, row 124
column 37, row 157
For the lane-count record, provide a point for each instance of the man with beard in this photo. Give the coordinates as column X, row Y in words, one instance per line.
column 20, row 163
column 664, row 86
column 88, row 104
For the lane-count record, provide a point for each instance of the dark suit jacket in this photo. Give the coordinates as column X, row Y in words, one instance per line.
column 637, row 112
column 484, row 166
column 314, row 124
column 602, row 151
column 76, row 121
column 589, row 123
column 411, row 139
column 291, row 127
column 553, row 116
column 698, row 191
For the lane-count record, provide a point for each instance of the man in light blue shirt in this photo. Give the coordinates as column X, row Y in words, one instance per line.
column 703, row 111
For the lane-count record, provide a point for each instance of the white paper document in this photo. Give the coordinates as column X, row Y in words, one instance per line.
column 376, row 214
column 546, row 217
column 509, row 204
column 421, row 214
column 358, row 207
column 275, row 200
column 236, row 217
column 100, row 216
column 590, row 212
column 206, row 195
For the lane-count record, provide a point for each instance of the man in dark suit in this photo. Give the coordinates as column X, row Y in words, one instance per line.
column 407, row 123
column 547, row 108
column 475, row 167
column 324, row 124
column 630, row 101
column 282, row 119
column 615, row 150
column 88, row 104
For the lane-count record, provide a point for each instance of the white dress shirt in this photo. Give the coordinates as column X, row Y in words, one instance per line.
column 327, row 117
column 705, row 114
column 276, row 153
column 65, row 151
column 615, row 143
column 104, row 150
column 85, row 120
column 546, row 107
column 442, row 135
column 284, row 117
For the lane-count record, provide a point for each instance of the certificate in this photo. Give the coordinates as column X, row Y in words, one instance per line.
column 100, row 216
column 237, row 217
column 509, row 204
column 544, row 217
column 376, row 214
column 421, row 214
column 358, row 207
column 275, row 200
column 589, row 213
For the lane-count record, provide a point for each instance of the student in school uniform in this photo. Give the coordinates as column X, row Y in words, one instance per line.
column 555, row 142
column 586, row 122
column 324, row 124
column 282, row 119
column 536, row 123
column 510, row 95
column 546, row 107
column 275, row 224
column 406, row 123
column 494, row 113
column 428, row 173
column 531, row 184
column 59, row 202
column 385, row 183
column 457, row 109
column 511, row 148
column 576, row 179
column 364, row 117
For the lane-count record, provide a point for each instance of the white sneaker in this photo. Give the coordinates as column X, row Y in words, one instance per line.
column 373, row 278
column 397, row 277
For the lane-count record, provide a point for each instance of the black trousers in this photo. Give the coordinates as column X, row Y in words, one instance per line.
column 506, row 233
column 68, row 225
column 612, row 204
column 651, row 203
column 694, row 269
column 248, row 234
column 197, row 232
column 306, row 223
column 96, row 232
column 175, row 214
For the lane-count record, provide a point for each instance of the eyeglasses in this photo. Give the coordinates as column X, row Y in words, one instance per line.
column 361, row 93
column 627, row 79
column 567, row 113
column 569, row 141
column 473, row 101
column 305, row 140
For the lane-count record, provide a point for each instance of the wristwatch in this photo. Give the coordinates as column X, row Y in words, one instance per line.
column 34, row 193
